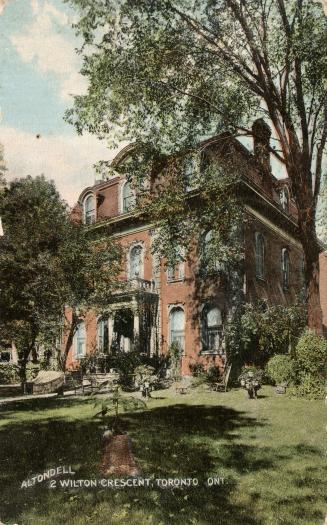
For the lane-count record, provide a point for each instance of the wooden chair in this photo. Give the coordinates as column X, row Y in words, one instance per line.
column 222, row 384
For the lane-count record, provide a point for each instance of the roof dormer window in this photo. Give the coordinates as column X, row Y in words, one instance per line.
column 128, row 197
column 89, row 209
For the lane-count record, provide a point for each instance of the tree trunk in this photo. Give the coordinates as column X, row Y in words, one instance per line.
column 69, row 342
column 68, row 346
column 311, row 259
column 22, row 373
column 298, row 169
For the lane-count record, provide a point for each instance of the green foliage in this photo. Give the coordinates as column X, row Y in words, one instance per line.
column 175, row 356
column 46, row 262
column 165, row 74
column 213, row 374
column 257, row 374
column 161, row 80
column 268, row 330
column 311, row 355
column 311, row 366
column 310, row 387
column 9, row 374
column 32, row 371
column 144, row 373
column 116, row 403
column 281, row 369
column 197, row 369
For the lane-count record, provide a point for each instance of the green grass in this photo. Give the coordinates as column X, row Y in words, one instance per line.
column 271, row 452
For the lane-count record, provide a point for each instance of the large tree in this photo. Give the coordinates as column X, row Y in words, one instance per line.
column 166, row 72
column 47, row 262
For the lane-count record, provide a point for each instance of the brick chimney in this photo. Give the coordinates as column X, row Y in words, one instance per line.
column 261, row 137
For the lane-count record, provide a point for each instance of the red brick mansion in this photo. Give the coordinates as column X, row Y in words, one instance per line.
column 160, row 305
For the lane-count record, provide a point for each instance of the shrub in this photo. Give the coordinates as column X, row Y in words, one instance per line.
column 281, row 369
column 311, row 355
column 175, row 355
column 213, row 374
column 9, row 374
column 311, row 366
column 268, row 330
column 257, row 373
column 197, row 369
column 32, row 371
column 310, row 387
column 145, row 373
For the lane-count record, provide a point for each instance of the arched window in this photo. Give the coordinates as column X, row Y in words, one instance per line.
column 177, row 326
column 135, row 262
column 211, row 328
column 102, row 335
column 80, row 341
column 286, row 268
column 284, row 198
column 209, row 261
column 176, row 272
column 259, row 255
column 89, row 211
column 128, row 197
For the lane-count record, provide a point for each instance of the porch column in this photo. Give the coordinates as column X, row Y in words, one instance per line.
column 110, row 330
column 136, row 326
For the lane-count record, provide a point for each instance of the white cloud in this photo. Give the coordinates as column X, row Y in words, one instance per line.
column 66, row 160
column 44, row 44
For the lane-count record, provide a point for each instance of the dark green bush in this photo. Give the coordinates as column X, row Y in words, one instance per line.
column 268, row 330
column 9, row 374
column 281, row 369
column 309, row 388
column 32, row 371
column 311, row 366
column 213, row 374
column 311, row 355
column 197, row 369
column 258, row 373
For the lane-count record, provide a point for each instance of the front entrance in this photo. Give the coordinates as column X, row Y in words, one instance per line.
column 123, row 336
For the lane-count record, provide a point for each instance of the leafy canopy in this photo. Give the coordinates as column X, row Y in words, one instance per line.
column 169, row 72
column 46, row 263
column 166, row 73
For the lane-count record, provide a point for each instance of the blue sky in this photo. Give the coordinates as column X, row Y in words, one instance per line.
column 39, row 74
column 29, row 96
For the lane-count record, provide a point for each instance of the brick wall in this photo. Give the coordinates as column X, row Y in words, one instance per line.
column 270, row 288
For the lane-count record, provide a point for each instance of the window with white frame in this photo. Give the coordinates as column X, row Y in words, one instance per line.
column 177, row 326
column 135, row 262
column 128, row 197
column 209, row 260
column 285, row 268
column 284, row 198
column 80, row 341
column 259, row 255
column 102, row 335
column 211, row 328
column 175, row 272
column 89, row 209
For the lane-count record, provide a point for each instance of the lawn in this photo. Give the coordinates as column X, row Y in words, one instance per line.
column 271, row 453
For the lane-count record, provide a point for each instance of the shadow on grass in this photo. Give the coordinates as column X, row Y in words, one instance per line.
column 178, row 441
column 36, row 404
